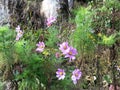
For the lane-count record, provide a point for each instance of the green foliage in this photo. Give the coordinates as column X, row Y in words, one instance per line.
column 108, row 78
column 106, row 20
column 37, row 68
column 109, row 41
column 52, row 37
column 1, row 85
column 97, row 27
column 81, row 36
column 31, row 84
column 113, row 4
column 3, row 29
column 6, row 44
column 6, row 34
column 19, row 46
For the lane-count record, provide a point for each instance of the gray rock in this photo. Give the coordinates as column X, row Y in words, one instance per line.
column 4, row 12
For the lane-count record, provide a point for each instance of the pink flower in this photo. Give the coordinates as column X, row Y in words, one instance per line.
column 68, row 51
column 57, row 54
column 50, row 21
column 17, row 28
column 64, row 48
column 60, row 74
column 71, row 53
column 112, row 87
column 40, row 46
column 76, row 75
column 19, row 33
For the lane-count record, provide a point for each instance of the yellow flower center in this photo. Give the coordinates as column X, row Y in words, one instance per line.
column 76, row 75
column 70, row 53
column 61, row 73
column 65, row 47
column 41, row 46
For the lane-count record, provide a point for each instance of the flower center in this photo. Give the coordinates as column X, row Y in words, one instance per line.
column 41, row 46
column 20, row 32
column 61, row 73
column 76, row 75
column 65, row 47
column 70, row 53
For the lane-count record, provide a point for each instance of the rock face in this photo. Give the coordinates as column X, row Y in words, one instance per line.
column 49, row 8
column 25, row 13
column 4, row 12
column 32, row 13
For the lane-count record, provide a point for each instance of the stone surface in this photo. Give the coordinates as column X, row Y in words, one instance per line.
column 4, row 12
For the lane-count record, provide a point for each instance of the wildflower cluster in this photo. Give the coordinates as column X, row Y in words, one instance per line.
column 19, row 33
column 40, row 47
column 50, row 21
column 60, row 74
column 68, row 51
column 76, row 75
